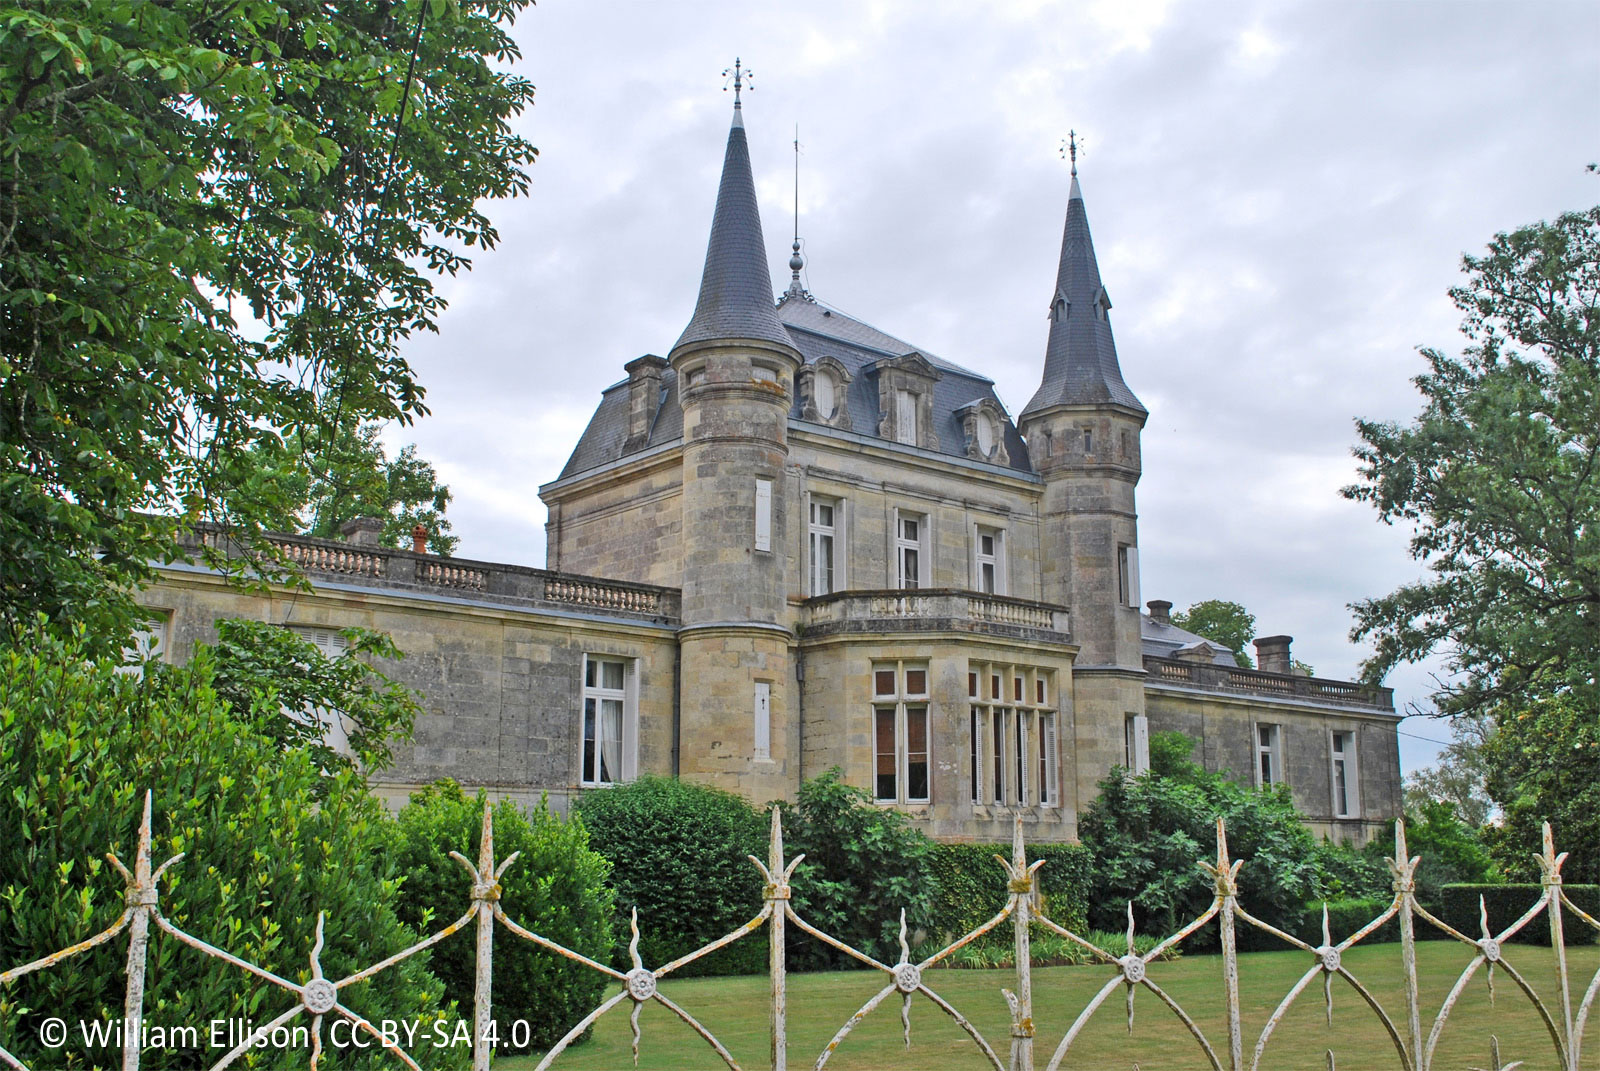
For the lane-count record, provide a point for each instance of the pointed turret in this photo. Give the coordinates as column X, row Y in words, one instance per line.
column 736, row 287
column 1080, row 362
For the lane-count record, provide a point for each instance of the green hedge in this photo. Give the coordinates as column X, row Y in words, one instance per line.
column 972, row 886
column 1345, row 917
column 1507, row 903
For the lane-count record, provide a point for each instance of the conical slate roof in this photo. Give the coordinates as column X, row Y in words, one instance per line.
column 1080, row 362
column 736, row 289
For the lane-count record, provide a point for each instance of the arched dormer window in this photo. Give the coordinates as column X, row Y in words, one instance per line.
column 824, row 398
column 985, row 423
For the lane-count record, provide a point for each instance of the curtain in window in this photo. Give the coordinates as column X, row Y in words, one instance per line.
column 611, row 740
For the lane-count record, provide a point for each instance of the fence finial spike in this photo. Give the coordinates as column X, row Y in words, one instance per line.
column 486, row 844
column 1400, row 840
column 775, row 844
column 141, row 860
column 1222, row 844
column 1019, row 857
column 633, row 942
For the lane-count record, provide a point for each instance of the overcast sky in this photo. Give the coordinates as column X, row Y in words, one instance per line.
column 1279, row 196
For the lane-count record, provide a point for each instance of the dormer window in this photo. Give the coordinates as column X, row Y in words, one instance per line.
column 905, row 417
column 823, row 397
column 905, row 399
column 985, row 423
column 826, row 394
column 1060, row 307
column 985, row 433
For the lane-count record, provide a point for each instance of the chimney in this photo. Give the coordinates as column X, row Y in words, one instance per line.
column 1160, row 612
column 419, row 539
column 362, row 531
column 644, row 398
column 1272, row 654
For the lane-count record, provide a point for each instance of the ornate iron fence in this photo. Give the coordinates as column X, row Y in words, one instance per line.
column 318, row 997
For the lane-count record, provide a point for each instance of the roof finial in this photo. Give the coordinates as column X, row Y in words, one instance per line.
column 1069, row 148
column 796, row 261
column 740, row 76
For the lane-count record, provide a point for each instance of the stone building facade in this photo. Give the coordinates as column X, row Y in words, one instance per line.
column 796, row 542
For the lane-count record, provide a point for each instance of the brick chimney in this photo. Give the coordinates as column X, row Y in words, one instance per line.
column 1160, row 612
column 1272, row 654
column 362, row 531
column 644, row 398
column 419, row 539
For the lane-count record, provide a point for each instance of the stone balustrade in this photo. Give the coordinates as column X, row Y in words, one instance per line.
column 929, row 609
column 1214, row 678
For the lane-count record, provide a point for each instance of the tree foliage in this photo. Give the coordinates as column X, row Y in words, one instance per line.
column 271, row 840
column 556, row 888
column 1543, row 764
column 1499, row 477
column 1458, row 776
column 218, row 223
column 327, row 477
column 1221, row 621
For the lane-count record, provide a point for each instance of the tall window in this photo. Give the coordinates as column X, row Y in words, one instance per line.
column 826, row 513
column 149, row 643
column 989, row 560
column 333, row 645
column 910, row 541
column 905, row 417
column 900, row 733
column 1136, row 741
column 1128, row 575
column 607, row 709
column 1014, row 759
column 763, row 720
column 1346, row 802
column 764, row 515
column 1268, row 765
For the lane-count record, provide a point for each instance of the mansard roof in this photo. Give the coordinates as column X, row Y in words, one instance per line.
column 816, row 330
column 1080, row 363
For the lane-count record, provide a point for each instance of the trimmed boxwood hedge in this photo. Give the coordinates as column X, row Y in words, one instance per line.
column 1507, row 903
column 972, row 886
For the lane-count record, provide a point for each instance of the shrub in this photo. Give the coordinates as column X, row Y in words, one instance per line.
column 1147, row 833
column 271, row 842
column 1507, row 903
column 972, row 886
column 1345, row 917
column 864, row 864
column 556, row 888
column 678, row 853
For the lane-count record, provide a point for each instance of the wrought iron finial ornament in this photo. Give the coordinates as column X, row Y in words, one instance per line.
column 740, row 76
column 1069, row 150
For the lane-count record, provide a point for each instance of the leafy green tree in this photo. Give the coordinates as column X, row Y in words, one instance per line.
column 327, row 479
column 1499, row 479
column 556, row 888
column 1222, row 622
column 679, row 854
column 297, row 692
column 218, row 224
column 1148, row 833
column 272, row 840
column 1458, row 776
column 1543, row 764
column 863, row 865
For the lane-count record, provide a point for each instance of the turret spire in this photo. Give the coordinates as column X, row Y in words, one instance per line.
column 1080, row 362
column 736, row 288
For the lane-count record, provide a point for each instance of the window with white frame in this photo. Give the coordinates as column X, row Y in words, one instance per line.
column 1346, row 793
column 910, row 550
column 989, row 560
column 609, row 717
column 1136, row 743
column 332, row 644
column 1014, row 758
column 900, row 744
column 149, row 644
column 1269, row 766
column 824, row 558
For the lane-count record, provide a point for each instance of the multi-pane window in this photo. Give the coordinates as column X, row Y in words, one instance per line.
column 605, row 715
column 1014, row 758
column 910, row 540
column 900, row 733
column 1346, row 802
column 823, row 544
column 333, row 644
column 989, row 560
column 1269, row 768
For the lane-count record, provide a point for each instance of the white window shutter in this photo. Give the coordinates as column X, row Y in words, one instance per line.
column 763, row 715
column 764, row 515
column 1133, row 577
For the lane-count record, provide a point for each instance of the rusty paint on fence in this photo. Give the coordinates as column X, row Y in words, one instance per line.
column 319, row 997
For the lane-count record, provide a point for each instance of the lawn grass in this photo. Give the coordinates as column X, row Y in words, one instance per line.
column 735, row 1010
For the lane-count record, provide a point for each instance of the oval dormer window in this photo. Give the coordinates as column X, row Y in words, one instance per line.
column 826, row 393
column 986, row 434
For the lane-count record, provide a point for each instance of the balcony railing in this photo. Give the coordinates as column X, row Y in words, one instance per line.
column 1214, row 678
column 930, row 609
column 392, row 569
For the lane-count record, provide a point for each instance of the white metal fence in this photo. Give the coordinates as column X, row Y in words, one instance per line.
column 319, row 997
